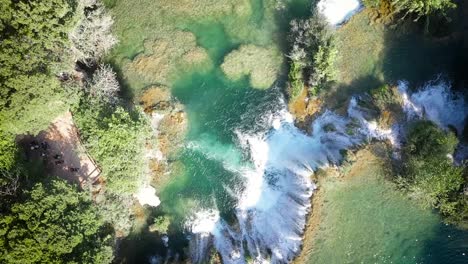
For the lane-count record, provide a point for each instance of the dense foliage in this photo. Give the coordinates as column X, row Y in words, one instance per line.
column 312, row 57
column 34, row 36
column 116, row 140
column 54, row 224
column 417, row 7
column 429, row 175
column 49, row 51
column 8, row 151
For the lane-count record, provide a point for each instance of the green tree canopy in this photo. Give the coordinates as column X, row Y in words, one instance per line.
column 32, row 48
column 55, row 224
column 430, row 176
column 116, row 139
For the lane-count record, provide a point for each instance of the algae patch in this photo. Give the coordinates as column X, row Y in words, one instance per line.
column 261, row 64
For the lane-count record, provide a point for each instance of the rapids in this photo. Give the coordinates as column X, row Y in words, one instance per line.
column 274, row 199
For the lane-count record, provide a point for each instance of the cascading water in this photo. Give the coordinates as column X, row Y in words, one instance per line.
column 275, row 197
column 437, row 103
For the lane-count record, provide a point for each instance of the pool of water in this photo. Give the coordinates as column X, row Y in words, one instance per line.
column 365, row 220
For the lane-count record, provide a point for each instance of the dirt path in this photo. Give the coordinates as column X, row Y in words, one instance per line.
column 62, row 152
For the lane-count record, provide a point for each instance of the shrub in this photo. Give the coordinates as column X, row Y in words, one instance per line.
column 296, row 83
column 429, row 175
column 426, row 140
column 160, row 225
column 116, row 139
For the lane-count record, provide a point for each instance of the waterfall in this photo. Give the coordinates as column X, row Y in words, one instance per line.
column 338, row 11
column 435, row 102
column 275, row 198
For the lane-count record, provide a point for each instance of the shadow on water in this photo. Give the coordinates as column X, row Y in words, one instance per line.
column 448, row 246
column 417, row 57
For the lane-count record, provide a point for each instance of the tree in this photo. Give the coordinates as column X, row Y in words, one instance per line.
column 8, row 151
column 429, row 175
column 425, row 140
column 104, row 85
column 54, row 224
column 423, row 7
column 116, row 139
column 36, row 100
column 160, row 225
column 32, row 50
column 92, row 38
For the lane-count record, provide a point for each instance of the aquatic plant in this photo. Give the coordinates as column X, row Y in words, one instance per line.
column 260, row 64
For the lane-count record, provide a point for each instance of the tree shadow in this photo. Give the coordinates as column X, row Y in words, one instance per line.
column 448, row 246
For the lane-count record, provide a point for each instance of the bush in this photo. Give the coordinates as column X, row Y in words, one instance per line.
column 8, row 151
column 429, row 175
column 323, row 66
column 313, row 54
column 425, row 140
column 160, row 225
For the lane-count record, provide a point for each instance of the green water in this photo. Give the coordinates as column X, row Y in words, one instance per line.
column 365, row 220
column 378, row 220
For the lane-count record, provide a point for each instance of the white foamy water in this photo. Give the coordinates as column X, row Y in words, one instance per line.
column 435, row 102
column 147, row 195
column 338, row 11
column 275, row 198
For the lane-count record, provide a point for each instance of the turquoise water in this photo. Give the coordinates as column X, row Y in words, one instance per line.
column 365, row 220
column 218, row 107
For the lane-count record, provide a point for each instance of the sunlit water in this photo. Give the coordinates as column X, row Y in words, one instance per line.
column 242, row 182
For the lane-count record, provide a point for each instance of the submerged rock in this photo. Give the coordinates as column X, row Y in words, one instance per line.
column 169, row 123
column 261, row 64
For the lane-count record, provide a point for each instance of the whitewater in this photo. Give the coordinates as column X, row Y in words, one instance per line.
column 274, row 200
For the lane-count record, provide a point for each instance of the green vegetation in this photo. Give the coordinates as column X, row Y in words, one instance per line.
column 262, row 65
column 313, row 56
column 429, row 175
column 51, row 55
column 160, row 225
column 324, row 67
column 8, row 152
column 34, row 35
column 54, row 224
column 116, row 139
column 418, row 7
column 296, row 83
